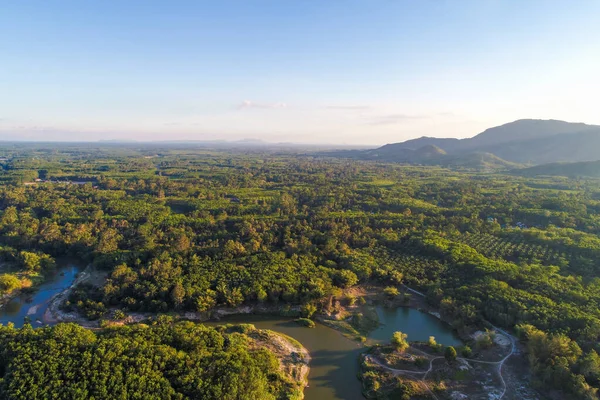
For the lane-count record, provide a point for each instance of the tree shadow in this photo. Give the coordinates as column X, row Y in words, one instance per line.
column 338, row 371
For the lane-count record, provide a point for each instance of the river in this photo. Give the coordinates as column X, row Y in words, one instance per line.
column 34, row 304
column 334, row 358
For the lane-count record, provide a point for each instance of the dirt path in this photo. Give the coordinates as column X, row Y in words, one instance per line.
column 501, row 363
column 432, row 358
column 397, row 372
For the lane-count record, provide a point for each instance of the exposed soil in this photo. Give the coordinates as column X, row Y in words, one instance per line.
column 294, row 359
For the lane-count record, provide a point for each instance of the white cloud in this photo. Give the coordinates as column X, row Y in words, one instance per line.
column 247, row 104
column 349, row 107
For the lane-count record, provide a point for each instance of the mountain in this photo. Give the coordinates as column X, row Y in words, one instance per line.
column 566, row 147
column 479, row 160
column 525, row 130
column 446, row 144
column 386, row 153
column 524, row 141
column 391, row 153
column 429, row 151
column 430, row 155
column 587, row 169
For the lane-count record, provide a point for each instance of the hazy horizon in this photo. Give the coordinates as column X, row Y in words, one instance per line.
column 300, row 72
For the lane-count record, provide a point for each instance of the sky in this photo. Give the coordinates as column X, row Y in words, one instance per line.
column 306, row 71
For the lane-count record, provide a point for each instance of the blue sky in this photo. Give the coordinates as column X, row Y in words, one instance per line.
column 328, row 71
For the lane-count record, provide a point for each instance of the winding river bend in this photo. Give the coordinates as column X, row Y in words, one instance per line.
column 334, row 358
column 33, row 305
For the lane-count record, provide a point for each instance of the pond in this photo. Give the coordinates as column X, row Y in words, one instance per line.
column 418, row 325
column 34, row 304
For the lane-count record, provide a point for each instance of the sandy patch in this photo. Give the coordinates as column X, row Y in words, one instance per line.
column 33, row 310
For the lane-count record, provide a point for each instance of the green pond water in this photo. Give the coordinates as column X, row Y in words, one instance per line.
column 418, row 325
column 334, row 358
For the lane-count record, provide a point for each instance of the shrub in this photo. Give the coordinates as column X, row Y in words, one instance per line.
column 431, row 342
column 399, row 341
column 391, row 292
column 8, row 283
column 450, row 354
column 350, row 300
column 466, row 351
column 308, row 310
column 306, row 322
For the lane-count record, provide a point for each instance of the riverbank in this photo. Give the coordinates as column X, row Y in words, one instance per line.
column 355, row 311
column 33, row 281
column 29, row 283
column 294, row 358
column 352, row 312
column 7, row 297
column 494, row 369
column 54, row 314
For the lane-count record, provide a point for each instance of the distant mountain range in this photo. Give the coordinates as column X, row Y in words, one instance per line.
column 516, row 144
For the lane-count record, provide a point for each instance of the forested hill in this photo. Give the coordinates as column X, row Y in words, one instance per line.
column 519, row 142
column 583, row 169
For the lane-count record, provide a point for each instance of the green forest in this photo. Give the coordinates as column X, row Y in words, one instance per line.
column 161, row 361
column 184, row 229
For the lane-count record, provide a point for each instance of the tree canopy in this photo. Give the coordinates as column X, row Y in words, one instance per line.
column 163, row 361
